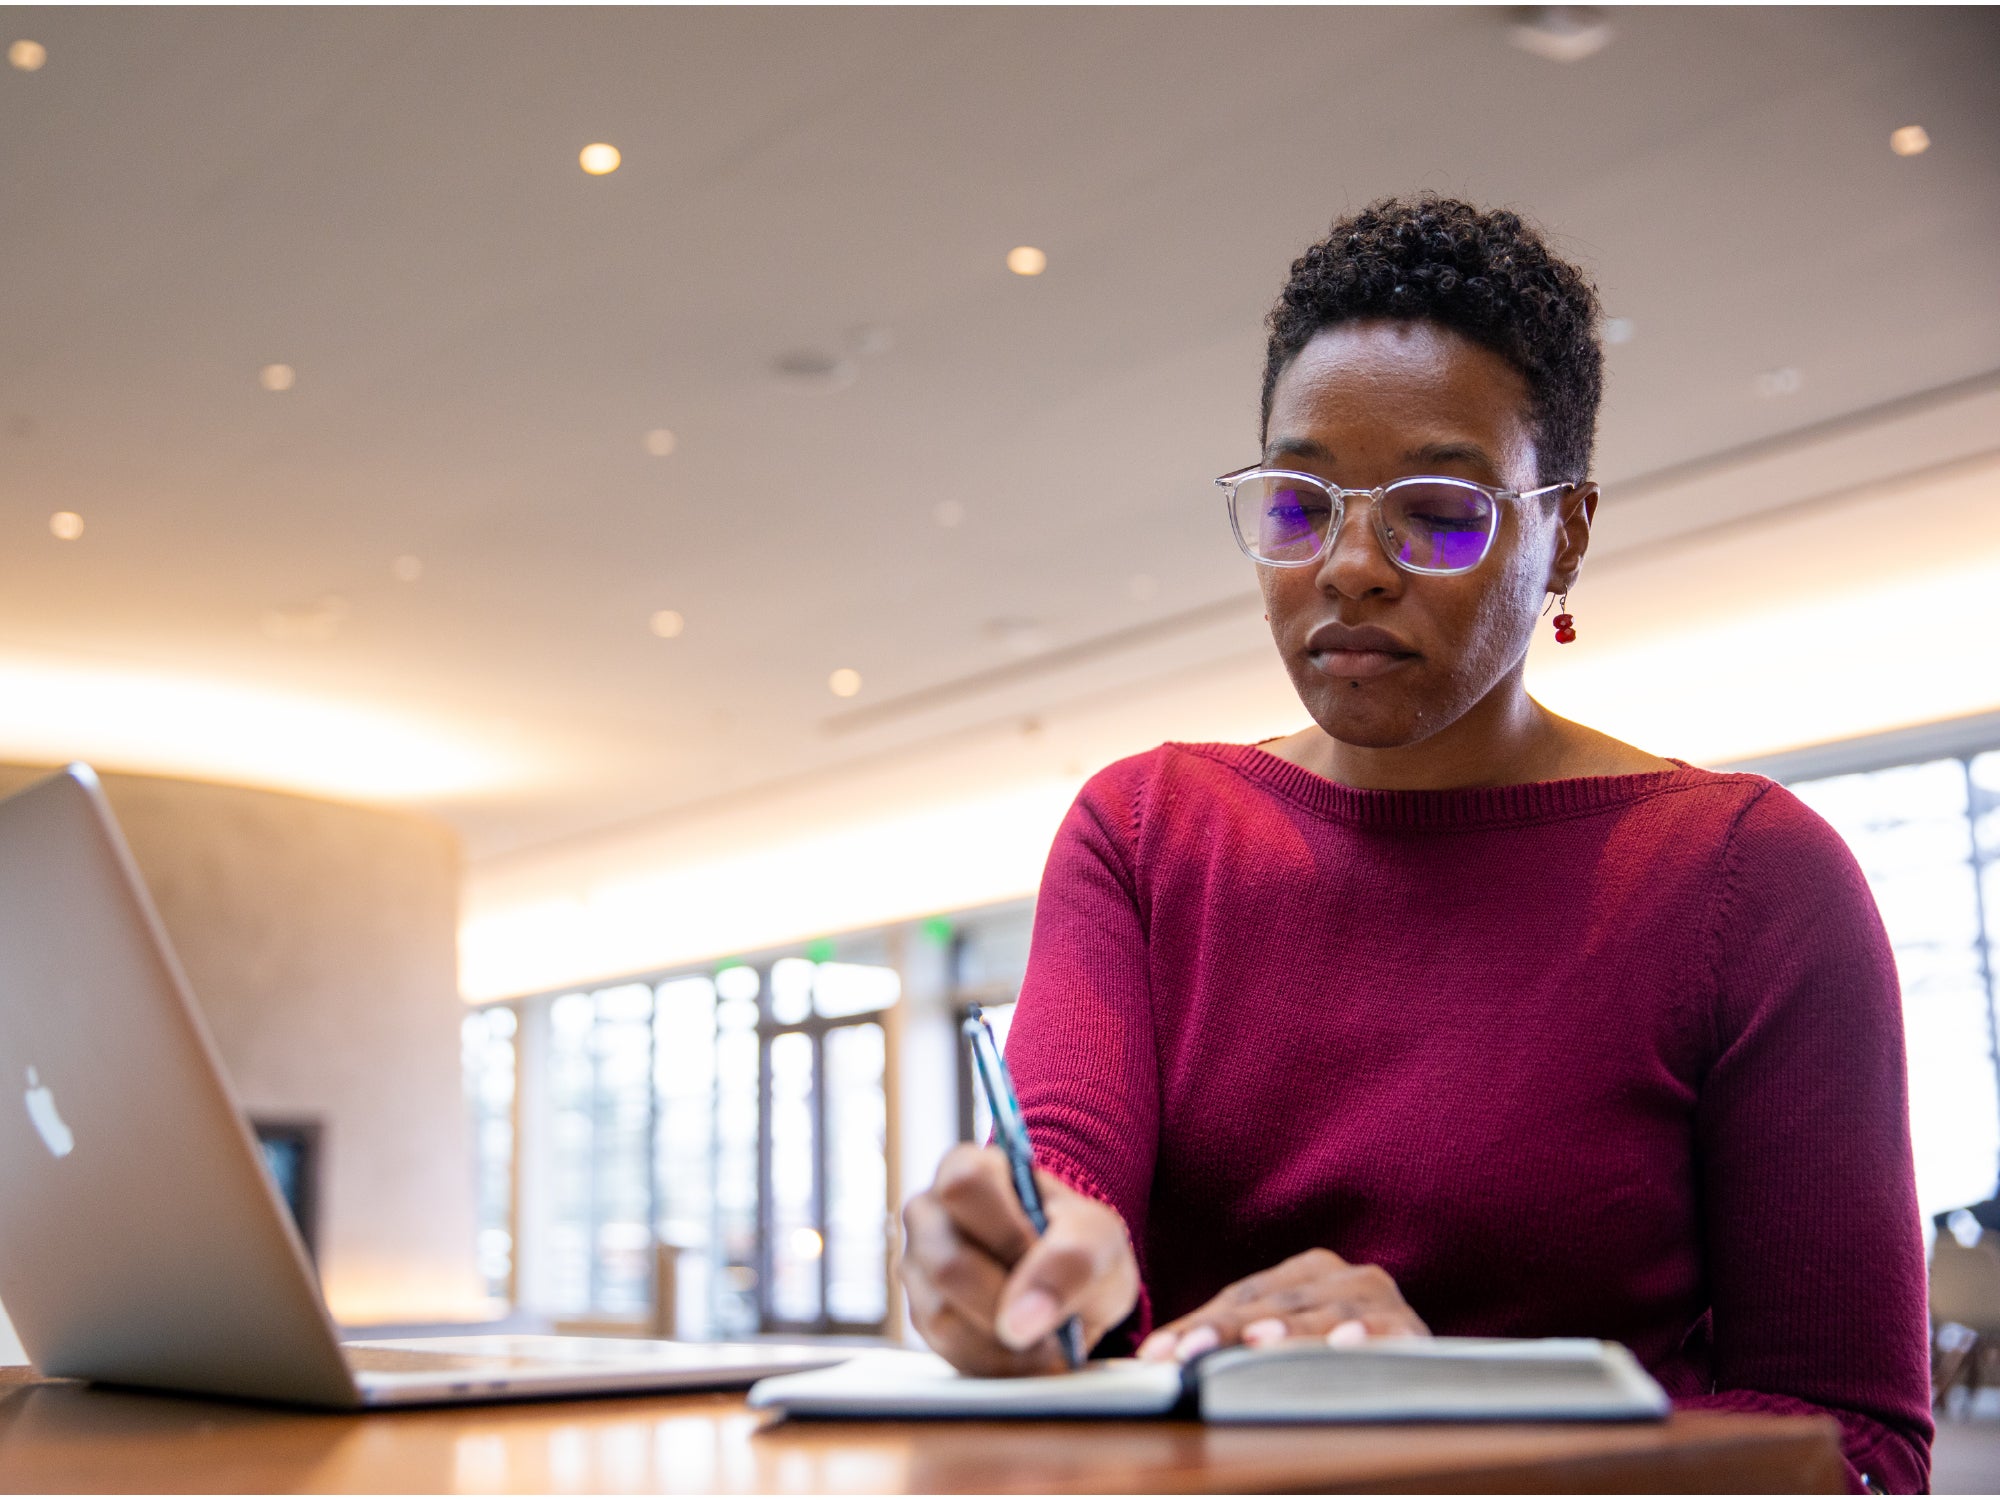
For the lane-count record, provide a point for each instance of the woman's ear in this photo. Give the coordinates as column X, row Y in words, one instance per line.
column 1575, row 510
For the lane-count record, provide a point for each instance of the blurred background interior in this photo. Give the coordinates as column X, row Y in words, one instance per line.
column 595, row 547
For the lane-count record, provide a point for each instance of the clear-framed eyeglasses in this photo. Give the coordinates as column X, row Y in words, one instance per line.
column 1428, row 523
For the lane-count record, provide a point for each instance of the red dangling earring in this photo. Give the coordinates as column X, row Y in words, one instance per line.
column 1565, row 625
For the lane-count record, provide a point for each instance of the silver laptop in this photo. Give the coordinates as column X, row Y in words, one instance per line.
column 142, row 1241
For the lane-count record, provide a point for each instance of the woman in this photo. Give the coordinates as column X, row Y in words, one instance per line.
column 1447, row 1014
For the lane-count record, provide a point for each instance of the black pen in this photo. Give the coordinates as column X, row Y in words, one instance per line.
column 1010, row 1132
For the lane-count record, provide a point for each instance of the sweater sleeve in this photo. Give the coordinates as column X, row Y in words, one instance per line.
column 1814, row 1247
column 1081, row 1046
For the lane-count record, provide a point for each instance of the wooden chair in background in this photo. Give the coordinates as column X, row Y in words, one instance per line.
column 1965, row 1313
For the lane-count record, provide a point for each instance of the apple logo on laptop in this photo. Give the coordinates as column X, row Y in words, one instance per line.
column 48, row 1122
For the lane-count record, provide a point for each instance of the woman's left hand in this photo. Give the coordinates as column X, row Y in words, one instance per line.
column 1315, row 1294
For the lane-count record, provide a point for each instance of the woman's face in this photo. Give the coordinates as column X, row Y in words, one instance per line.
column 1364, row 403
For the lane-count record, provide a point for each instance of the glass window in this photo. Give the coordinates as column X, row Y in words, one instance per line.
column 791, row 990
column 622, row 1144
column 1912, row 831
column 599, row 1240
column 738, row 982
column 827, row 1173
column 487, row 1053
column 1000, row 1018
column 857, row 1174
column 796, row 1242
column 684, row 1086
column 572, row 1135
column 852, row 989
column 1983, row 797
column 737, row 1124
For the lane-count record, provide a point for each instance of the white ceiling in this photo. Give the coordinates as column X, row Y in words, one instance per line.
column 389, row 200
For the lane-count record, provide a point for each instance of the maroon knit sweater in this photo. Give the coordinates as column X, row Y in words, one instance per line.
column 1620, row 1056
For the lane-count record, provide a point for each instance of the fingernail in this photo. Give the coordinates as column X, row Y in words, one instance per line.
column 1196, row 1341
column 1027, row 1319
column 1159, row 1344
column 1265, row 1331
column 1347, row 1335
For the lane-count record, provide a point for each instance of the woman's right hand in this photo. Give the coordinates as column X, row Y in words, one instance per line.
column 986, row 1291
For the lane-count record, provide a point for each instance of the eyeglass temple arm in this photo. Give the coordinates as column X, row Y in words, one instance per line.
column 1549, row 489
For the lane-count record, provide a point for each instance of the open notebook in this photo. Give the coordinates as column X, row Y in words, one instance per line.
column 1389, row 1380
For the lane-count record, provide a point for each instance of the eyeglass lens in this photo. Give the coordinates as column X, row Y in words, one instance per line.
column 1436, row 526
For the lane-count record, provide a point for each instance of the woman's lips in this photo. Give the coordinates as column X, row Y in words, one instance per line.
column 1359, row 663
column 1341, row 650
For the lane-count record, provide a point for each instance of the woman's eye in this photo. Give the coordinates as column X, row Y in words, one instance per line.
column 1291, row 508
column 1446, row 523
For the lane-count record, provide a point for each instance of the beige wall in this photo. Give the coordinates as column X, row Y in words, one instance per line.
column 321, row 943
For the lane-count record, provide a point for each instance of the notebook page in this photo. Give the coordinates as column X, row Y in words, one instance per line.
column 906, row 1383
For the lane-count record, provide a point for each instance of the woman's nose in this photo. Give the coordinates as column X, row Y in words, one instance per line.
column 1354, row 564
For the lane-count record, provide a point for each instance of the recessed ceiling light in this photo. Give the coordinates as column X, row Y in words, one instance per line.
column 1783, row 381
column 277, row 377
column 27, row 56
column 659, row 442
column 948, row 513
column 1910, row 140
column 407, row 569
column 1560, row 33
column 65, row 525
column 1026, row 260
column 1618, row 330
column 845, row 683
column 667, row 624
column 599, row 159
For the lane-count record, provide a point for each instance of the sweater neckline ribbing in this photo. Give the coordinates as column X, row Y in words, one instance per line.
column 1524, row 802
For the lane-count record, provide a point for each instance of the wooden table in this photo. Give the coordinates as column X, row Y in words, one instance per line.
column 60, row 1436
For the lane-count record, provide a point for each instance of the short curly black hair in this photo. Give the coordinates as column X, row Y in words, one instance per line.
column 1487, row 275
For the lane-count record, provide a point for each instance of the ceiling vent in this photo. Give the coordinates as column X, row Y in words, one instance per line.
column 815, row 370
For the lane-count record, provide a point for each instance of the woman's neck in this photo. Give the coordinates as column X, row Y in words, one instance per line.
column 1505, row 739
